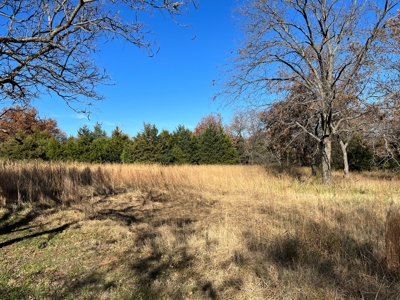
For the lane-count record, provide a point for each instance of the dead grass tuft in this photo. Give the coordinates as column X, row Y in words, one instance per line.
column 393, row 239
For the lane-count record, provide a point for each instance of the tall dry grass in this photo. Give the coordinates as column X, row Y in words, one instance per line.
column 230, row 232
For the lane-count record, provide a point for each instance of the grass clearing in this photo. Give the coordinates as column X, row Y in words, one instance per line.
column 193, row 232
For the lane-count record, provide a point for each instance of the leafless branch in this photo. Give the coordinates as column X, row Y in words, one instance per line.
column 331, row 49
column 48, row 46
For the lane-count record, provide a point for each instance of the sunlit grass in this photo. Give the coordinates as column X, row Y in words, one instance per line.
column 192, row 232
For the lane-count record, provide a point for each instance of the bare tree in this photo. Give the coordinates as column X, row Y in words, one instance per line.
column 289, row 122
column 247, row 133
column 47, row 46
column 357, row 119
column 384, row 135
column 332, row 48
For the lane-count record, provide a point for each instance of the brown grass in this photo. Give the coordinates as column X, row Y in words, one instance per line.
column 192, row 232
column 393, row 238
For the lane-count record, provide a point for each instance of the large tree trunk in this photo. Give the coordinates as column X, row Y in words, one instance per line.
column 343, row 146
column 326, row 150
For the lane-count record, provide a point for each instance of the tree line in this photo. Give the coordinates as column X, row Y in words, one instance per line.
column 250, row 137
column 25, row 135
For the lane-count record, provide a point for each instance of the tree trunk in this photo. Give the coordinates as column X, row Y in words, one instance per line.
column 313, row 167
column 287, row 158
column 343, row 146
column 314, row 160
column 326, row 145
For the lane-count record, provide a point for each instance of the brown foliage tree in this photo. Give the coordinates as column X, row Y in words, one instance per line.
column 25, row 120
column 281, row 122
column 205, row 122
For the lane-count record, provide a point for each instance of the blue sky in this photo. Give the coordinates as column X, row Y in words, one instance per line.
column 173, row 87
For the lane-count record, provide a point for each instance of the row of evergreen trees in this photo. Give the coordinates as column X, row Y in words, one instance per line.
column 212, row 146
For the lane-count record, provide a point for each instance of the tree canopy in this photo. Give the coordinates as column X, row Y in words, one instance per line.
column 47, row 46
column 16, row 120
column 328, row 48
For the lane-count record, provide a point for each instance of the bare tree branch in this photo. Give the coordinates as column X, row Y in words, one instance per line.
column 329, row 48
column 47, row 46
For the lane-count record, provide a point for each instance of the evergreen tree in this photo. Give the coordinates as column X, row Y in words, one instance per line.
column 184, row 149
column 148, row 146
column 98, row 150
column 89, row 146
column 98, row 132
column 32, row 146
column 167, row 140
column 98, row 145
column 70, row 150
column 178, row 155
column 35, row 146
column 116, row 145
column 167, row 137
column 360, row 155
column 54, row 149
column 127, row 155
column 215, row 147
column 85, row 144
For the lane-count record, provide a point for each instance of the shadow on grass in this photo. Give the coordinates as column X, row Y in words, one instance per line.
column 150, row 267
column 91, row 281
column 19, row 239
column 10, row 226
column 294, row 172
column 329, row 257
column 124, row 216
column 15, row 293
column 159, row 269
column 150, row 272
column 173, row 274
column 5, row 216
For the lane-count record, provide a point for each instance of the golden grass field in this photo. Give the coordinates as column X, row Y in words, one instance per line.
column 75, row 231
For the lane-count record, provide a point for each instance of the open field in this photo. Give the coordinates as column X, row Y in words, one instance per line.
column 192, row 232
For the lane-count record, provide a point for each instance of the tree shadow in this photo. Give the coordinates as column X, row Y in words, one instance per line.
column 94, row 280
column 330, row 257
column 151, row 269
column 19, row 239
column 158, row 265
column 124, row 216
column 209, row 290
column 293, row 172
column 29, row 227
column 8, row 227
column 6, row 216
